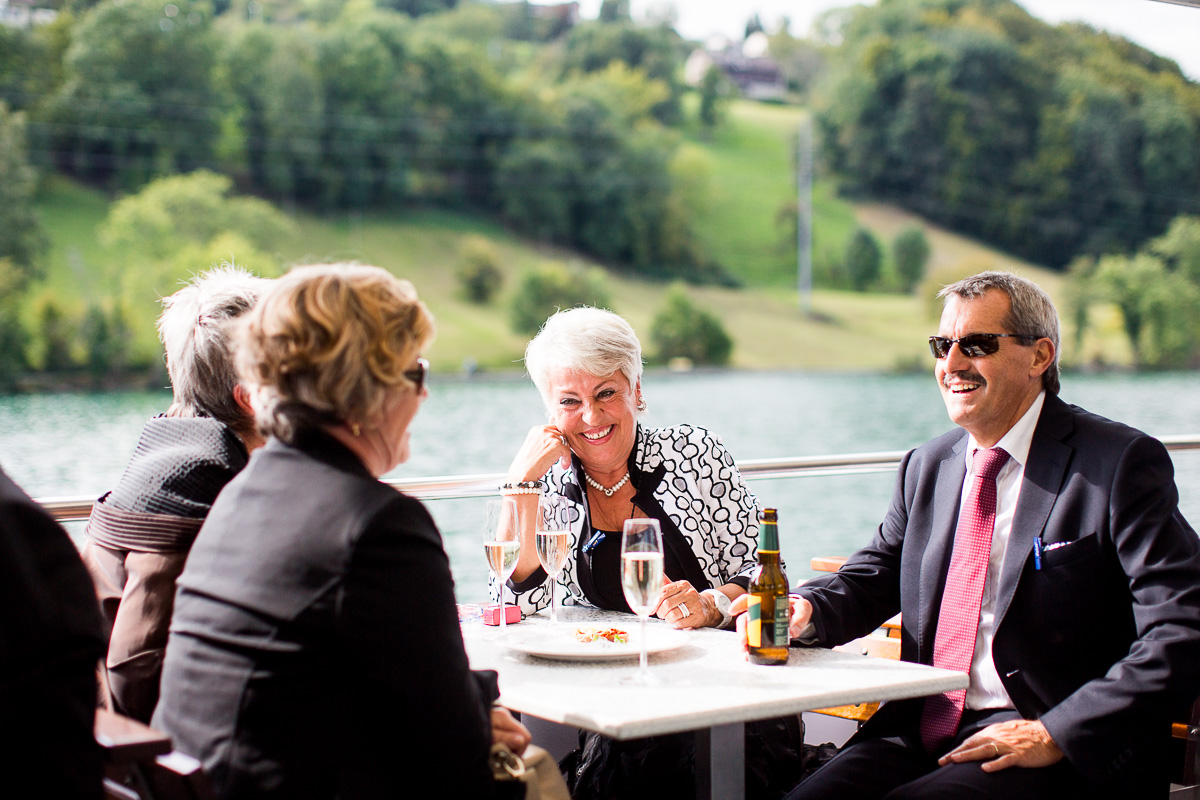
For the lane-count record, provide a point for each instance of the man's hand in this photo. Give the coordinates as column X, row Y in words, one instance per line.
column 1015, row 743
column 801, row 615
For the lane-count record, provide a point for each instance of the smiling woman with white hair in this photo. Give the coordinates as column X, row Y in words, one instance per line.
column 587, row 365
column 594, row 452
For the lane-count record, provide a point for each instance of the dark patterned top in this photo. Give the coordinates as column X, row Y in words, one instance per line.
column 179, row 467
column 684, row 477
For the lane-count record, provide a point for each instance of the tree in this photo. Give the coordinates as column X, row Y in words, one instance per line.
column 713, row 91
column 173, row 211
column 863, row 260
column 1126, row 282
column 553, row 286
column 1171, row 309
column 22, row 240
column 26, row 67
column 415, row 8
column 683, row 330
column 1049, row 142
column 139, row 98
column 478, row 271
column 1179, row 247
column 910, row 253
column 614, row 11
column 13, row 339
column 57, row 334
column 106, row 340
column 654, row 51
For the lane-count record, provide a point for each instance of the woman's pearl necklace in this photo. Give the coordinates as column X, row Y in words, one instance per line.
column 607, row 492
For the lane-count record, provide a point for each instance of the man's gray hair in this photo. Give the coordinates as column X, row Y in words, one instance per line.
column 1031, row 312
column 591, row 340
column 195, row 328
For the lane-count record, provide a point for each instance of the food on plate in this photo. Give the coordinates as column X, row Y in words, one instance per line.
column 591, row 633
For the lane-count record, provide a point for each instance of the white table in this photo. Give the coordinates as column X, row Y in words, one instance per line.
column 706, row 686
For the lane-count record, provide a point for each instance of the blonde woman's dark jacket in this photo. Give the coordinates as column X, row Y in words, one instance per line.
column 315, row 650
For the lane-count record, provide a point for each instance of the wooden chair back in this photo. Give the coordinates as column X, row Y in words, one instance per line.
column 141, row 765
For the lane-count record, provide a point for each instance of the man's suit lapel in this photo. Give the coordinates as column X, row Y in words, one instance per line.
column 1044, row 473
column 935, row 559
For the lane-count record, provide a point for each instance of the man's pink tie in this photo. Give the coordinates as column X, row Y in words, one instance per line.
column 958, row 621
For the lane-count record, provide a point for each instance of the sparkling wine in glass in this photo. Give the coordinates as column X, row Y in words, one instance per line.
column 642, row 576
column 552, row 539
column 502, row 543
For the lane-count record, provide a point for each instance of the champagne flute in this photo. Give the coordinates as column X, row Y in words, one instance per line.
column 502, row 543
column 552, row 539
column 642, row 576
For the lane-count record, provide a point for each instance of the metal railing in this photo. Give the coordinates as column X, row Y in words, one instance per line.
column 451, row 487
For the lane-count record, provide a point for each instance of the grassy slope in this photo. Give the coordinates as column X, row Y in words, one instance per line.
column 751, row 176
column 754, row 177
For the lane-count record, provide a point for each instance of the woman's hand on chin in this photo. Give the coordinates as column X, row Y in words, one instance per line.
column 543, row 445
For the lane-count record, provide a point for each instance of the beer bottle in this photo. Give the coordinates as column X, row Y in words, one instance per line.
column 769, row 611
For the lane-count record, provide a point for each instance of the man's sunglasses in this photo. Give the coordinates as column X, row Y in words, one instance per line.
column 973, row 345
column 417, row 375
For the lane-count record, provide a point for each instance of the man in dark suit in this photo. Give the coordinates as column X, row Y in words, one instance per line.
column 1040, row 549
column 49, row 642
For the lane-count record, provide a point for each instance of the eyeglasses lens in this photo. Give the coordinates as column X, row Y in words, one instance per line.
column 417, row 375
column 974, row 345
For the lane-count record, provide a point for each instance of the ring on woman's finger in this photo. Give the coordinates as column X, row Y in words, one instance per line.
column 684, row 611
column 996, row 747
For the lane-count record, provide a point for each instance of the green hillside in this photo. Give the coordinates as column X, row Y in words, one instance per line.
column 750, row 178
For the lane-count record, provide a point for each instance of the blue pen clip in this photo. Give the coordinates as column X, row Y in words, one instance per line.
column 596, row 539
column 1037, row 552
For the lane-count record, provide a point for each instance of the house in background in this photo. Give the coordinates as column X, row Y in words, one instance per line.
column 565, row 13
column 24, row 13
column 747, row 66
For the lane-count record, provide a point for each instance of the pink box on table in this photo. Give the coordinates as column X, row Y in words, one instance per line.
column 491, row 614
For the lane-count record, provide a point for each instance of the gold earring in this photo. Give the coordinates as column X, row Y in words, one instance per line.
column 354, row 429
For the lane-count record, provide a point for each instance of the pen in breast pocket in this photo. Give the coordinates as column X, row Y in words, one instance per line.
column 1037, row 552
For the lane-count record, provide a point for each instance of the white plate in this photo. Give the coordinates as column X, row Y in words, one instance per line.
column 560, row 643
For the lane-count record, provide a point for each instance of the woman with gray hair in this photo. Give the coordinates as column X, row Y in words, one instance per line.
column 315, row 636
column 138, row 534
column 587, row 365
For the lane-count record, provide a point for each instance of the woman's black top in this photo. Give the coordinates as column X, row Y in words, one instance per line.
column 315, row 650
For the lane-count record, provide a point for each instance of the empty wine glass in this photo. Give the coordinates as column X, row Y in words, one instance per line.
column 552, row 539
column 502, row 543
column 642, row 576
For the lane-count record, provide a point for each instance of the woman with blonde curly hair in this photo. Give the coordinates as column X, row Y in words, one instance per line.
column 299, row 664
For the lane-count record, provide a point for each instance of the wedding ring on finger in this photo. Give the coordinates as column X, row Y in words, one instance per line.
column 684, row 611
column 996, row 747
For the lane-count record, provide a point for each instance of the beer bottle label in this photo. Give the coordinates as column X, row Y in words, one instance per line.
column 782, row 612
column 754, row 622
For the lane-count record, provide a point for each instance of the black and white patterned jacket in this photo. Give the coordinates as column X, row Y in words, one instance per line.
column 684, row 477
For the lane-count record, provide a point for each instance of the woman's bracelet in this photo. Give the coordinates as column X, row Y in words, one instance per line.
column 521, row 487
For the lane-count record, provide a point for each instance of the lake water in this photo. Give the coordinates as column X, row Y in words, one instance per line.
column 77, row 444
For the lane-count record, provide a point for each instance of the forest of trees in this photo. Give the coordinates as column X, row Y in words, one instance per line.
column 1059, row 144
column 354, row 105
column 1048, row 141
